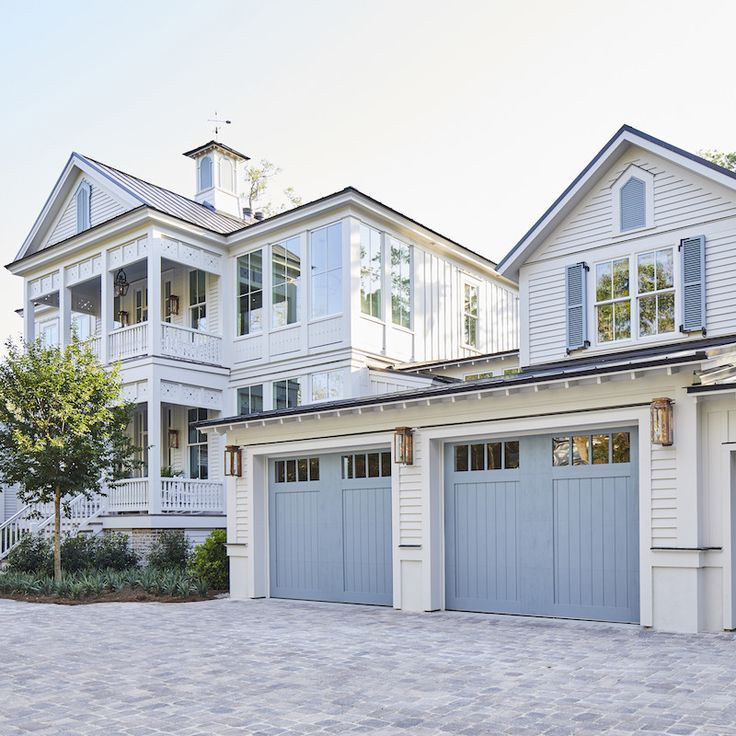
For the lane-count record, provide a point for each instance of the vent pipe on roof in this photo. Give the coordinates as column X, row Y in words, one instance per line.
column 258, row 215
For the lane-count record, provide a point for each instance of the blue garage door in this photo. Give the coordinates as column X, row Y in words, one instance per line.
column 330, row 528
column 544, row 526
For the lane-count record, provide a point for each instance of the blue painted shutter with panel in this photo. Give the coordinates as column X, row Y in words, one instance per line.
column 633, row 204
column 576, row 295
column 692, row 254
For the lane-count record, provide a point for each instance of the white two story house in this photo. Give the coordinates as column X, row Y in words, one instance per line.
column 212, row 311
column 596, row 482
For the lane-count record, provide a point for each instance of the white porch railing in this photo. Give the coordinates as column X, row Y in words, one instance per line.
column 96, row 344
column 128, row 342
column 184, row 342
column 128, row 495
column 185, row 495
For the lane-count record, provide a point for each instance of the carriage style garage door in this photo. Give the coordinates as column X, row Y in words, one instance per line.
column 330, row 527
column 544, row 525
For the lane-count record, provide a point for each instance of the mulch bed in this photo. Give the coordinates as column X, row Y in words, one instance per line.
column 124, row 596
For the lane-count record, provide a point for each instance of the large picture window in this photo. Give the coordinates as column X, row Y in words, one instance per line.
column 286, row 272
column 470, row 315
column 612, row 301
column 656, row 285
column 371, row 267
column 400, row 283
column 325, row 254
column 198, row 300
column 197, row 443
column 250, row 293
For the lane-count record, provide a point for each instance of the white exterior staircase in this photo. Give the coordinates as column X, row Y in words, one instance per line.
column 82, row 517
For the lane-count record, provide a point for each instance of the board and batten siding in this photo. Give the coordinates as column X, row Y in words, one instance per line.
column 103, row 207
column 685, row 205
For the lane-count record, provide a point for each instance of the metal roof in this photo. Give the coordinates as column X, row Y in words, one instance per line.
column 168, row 202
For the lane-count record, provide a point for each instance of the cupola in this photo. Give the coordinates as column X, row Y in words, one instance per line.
column 219, row 170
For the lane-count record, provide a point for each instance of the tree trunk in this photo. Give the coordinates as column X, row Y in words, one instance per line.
column 57, row 535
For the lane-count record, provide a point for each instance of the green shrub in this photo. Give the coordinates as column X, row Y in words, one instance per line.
column 78, row 552
column 113, row 552
column 209, row 562
column 34, row 554
column 171, row 551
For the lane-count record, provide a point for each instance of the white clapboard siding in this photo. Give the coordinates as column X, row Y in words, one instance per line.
column 410, row 499
column 9, row 503
column 664, row 497
column 103, row 207
column 720, row 296
column 213, row 304
column 242, row 521
column 547, row 332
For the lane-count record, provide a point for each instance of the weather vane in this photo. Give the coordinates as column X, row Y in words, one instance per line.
column 218, row 122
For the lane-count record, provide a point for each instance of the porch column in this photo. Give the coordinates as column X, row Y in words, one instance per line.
column 29, row 314
column 153, row 407
column 154, row 297
column 65, row 310
column 106, row 307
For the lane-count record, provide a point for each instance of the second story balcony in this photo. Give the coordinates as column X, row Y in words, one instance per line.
column 141, row 304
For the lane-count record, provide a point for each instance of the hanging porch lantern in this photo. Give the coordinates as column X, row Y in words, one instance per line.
column 121, row 283
column 661, row 421
column 403, row 446
column 233, row 460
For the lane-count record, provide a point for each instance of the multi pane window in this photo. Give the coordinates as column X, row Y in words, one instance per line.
column 591, row 449
column 400, row 283
column 296, row 470
column 487, row 456
column 327, row 386
column 286, row 272
column 612, row 300
column 656, row 286
column 287, row 393
column 470, row 315
column 371, row 266
column 366, row 465
column 141, row 305
column 140, row 441
column 198, row 300
column 325, row 254
column 250, row 293
column 250, row 399
column 197, row 443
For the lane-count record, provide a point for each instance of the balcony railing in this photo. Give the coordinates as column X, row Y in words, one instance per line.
column 189, row 344
column 128, row 342
column 192, row 496
column 128, row 495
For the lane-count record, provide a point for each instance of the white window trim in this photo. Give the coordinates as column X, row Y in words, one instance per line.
column 636, row 338
column 469, row 281
column 308, row 255
column 189, row 305
column 648, row 179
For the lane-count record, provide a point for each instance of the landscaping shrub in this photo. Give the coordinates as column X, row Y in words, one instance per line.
column 78, row 552
column 113, row 552
column 209, row 562
column 171, row 551
column 33, row 554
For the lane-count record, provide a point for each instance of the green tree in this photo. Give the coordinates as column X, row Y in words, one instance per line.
column 62, row 426
column 258, row 181
column 727, row 160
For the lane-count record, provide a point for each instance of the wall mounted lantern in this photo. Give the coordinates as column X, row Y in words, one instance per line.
column 172, row 305
column 403, row 446
column 121, row 283
column 661, row 421
column 233, row 460
column 174, row 439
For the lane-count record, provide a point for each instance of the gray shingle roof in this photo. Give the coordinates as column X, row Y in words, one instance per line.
column 168, row 202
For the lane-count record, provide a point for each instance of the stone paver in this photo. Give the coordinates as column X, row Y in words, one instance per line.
column 283, row 667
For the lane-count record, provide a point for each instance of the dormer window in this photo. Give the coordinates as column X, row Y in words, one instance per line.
column 205, row 173
column 84, row 198
column 633, row 200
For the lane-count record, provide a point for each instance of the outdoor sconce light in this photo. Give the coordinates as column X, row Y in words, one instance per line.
column 174, row 439
column 233, row 460
column 121, row 283
column 123, row 318
column 661, row 421
column 172, row 305
column 403, row 446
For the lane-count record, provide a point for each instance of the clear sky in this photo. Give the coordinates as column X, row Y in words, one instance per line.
column 468, row 116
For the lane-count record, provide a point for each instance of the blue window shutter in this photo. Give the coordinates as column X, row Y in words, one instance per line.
column 633, row 204
column 577, row 304
column 692, row 254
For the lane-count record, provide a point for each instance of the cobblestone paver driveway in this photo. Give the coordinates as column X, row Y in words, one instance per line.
column 282, row 667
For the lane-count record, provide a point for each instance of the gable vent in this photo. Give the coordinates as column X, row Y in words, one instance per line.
column 633, row 204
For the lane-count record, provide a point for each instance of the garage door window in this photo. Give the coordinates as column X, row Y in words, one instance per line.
column 487, row 456
column 596, row 449
column 296, row 470
column 366, row 465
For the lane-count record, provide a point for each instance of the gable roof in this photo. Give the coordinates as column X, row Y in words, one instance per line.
column 624, row 137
